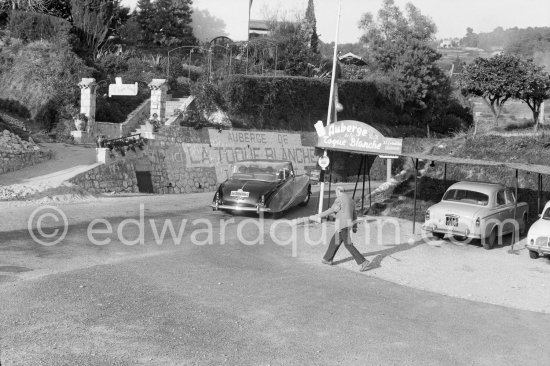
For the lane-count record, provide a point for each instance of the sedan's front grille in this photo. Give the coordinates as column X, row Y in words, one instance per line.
column 542, row 241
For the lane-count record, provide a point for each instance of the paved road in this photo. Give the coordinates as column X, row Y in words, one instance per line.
column 233, row 304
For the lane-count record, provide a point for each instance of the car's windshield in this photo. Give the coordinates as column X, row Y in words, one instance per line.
column 466, row 196
column 261, row 170
column 546, row 214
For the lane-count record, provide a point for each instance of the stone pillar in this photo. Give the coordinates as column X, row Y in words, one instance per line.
column 158, row 87
column 102, row 155
column 87, row 102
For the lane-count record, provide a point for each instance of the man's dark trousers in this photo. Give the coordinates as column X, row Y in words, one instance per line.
column 343, row 236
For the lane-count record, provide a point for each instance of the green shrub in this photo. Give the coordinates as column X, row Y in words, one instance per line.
column 30, row 26
column 112, row 64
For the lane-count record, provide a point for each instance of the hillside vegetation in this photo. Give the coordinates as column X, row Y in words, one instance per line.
column 42, row 76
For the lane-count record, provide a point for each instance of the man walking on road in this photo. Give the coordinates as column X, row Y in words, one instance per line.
column 344, row 208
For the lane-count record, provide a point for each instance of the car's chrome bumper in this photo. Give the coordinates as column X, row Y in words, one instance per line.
column 539, row 249
column 433, row 228
column 240, row 208
column 540, row 245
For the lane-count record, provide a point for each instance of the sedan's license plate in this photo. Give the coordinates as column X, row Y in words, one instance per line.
column 240, row 194
column 451, row 221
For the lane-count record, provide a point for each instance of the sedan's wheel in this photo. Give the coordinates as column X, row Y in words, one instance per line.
column 533, row 254
column 438, row 236
column 490, row 241
column 306, row 201
column 460, row 237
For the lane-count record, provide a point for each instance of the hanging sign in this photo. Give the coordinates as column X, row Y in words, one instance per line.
column 324, row 161
column 355, row 136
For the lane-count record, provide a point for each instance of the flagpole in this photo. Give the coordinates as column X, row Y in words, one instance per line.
column 331, row 98
column 248, row 29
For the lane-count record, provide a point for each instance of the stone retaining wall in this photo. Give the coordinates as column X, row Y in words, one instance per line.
column 10, row 162
column 16, row 153
column 117, row 177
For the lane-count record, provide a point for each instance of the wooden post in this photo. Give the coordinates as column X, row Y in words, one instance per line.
column 539, row 206
column 330, row 178
column 415, row 189
column 516, row 206
column 358, row 175
column 514, row 238
column 363, row 193
column 368, row 172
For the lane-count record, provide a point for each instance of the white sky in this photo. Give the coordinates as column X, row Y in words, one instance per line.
column 452, row 17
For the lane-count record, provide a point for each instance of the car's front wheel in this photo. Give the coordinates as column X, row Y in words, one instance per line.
column 533, row 254
column 306, row 200
column 438, row 236
column 490, row 241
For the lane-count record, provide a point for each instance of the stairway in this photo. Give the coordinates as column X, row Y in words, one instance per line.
column 145, row 129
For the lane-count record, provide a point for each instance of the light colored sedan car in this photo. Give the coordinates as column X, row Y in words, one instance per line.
column 477, row 210
column 538, row 238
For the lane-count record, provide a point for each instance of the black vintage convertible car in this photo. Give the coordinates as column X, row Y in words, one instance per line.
column 262, row 186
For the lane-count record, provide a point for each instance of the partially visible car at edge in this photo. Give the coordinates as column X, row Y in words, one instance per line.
column 477, row 210
column 262, row 186
column 538, row 237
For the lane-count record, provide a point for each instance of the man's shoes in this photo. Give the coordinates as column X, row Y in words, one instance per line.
column 324, row 261
column 365, row 266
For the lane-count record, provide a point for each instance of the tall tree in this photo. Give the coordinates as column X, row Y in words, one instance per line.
column 28, row 5
column 166, row 22
column 94, row 20
column 495, row 80
column 471, row 39
column 206, row 26
column 180, row 31
column 310, row 25
column 145, row 15
column 535, row 88
column 401, row 54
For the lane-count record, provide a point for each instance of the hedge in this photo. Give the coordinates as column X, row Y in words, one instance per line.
column 296, row 103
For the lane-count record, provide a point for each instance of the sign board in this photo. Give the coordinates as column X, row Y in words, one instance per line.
column 324, row 161
column 122, row 89
column 355, row 136
column 220, row 149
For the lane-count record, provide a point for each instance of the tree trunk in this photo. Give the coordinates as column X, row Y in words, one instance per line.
column 493, row 111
